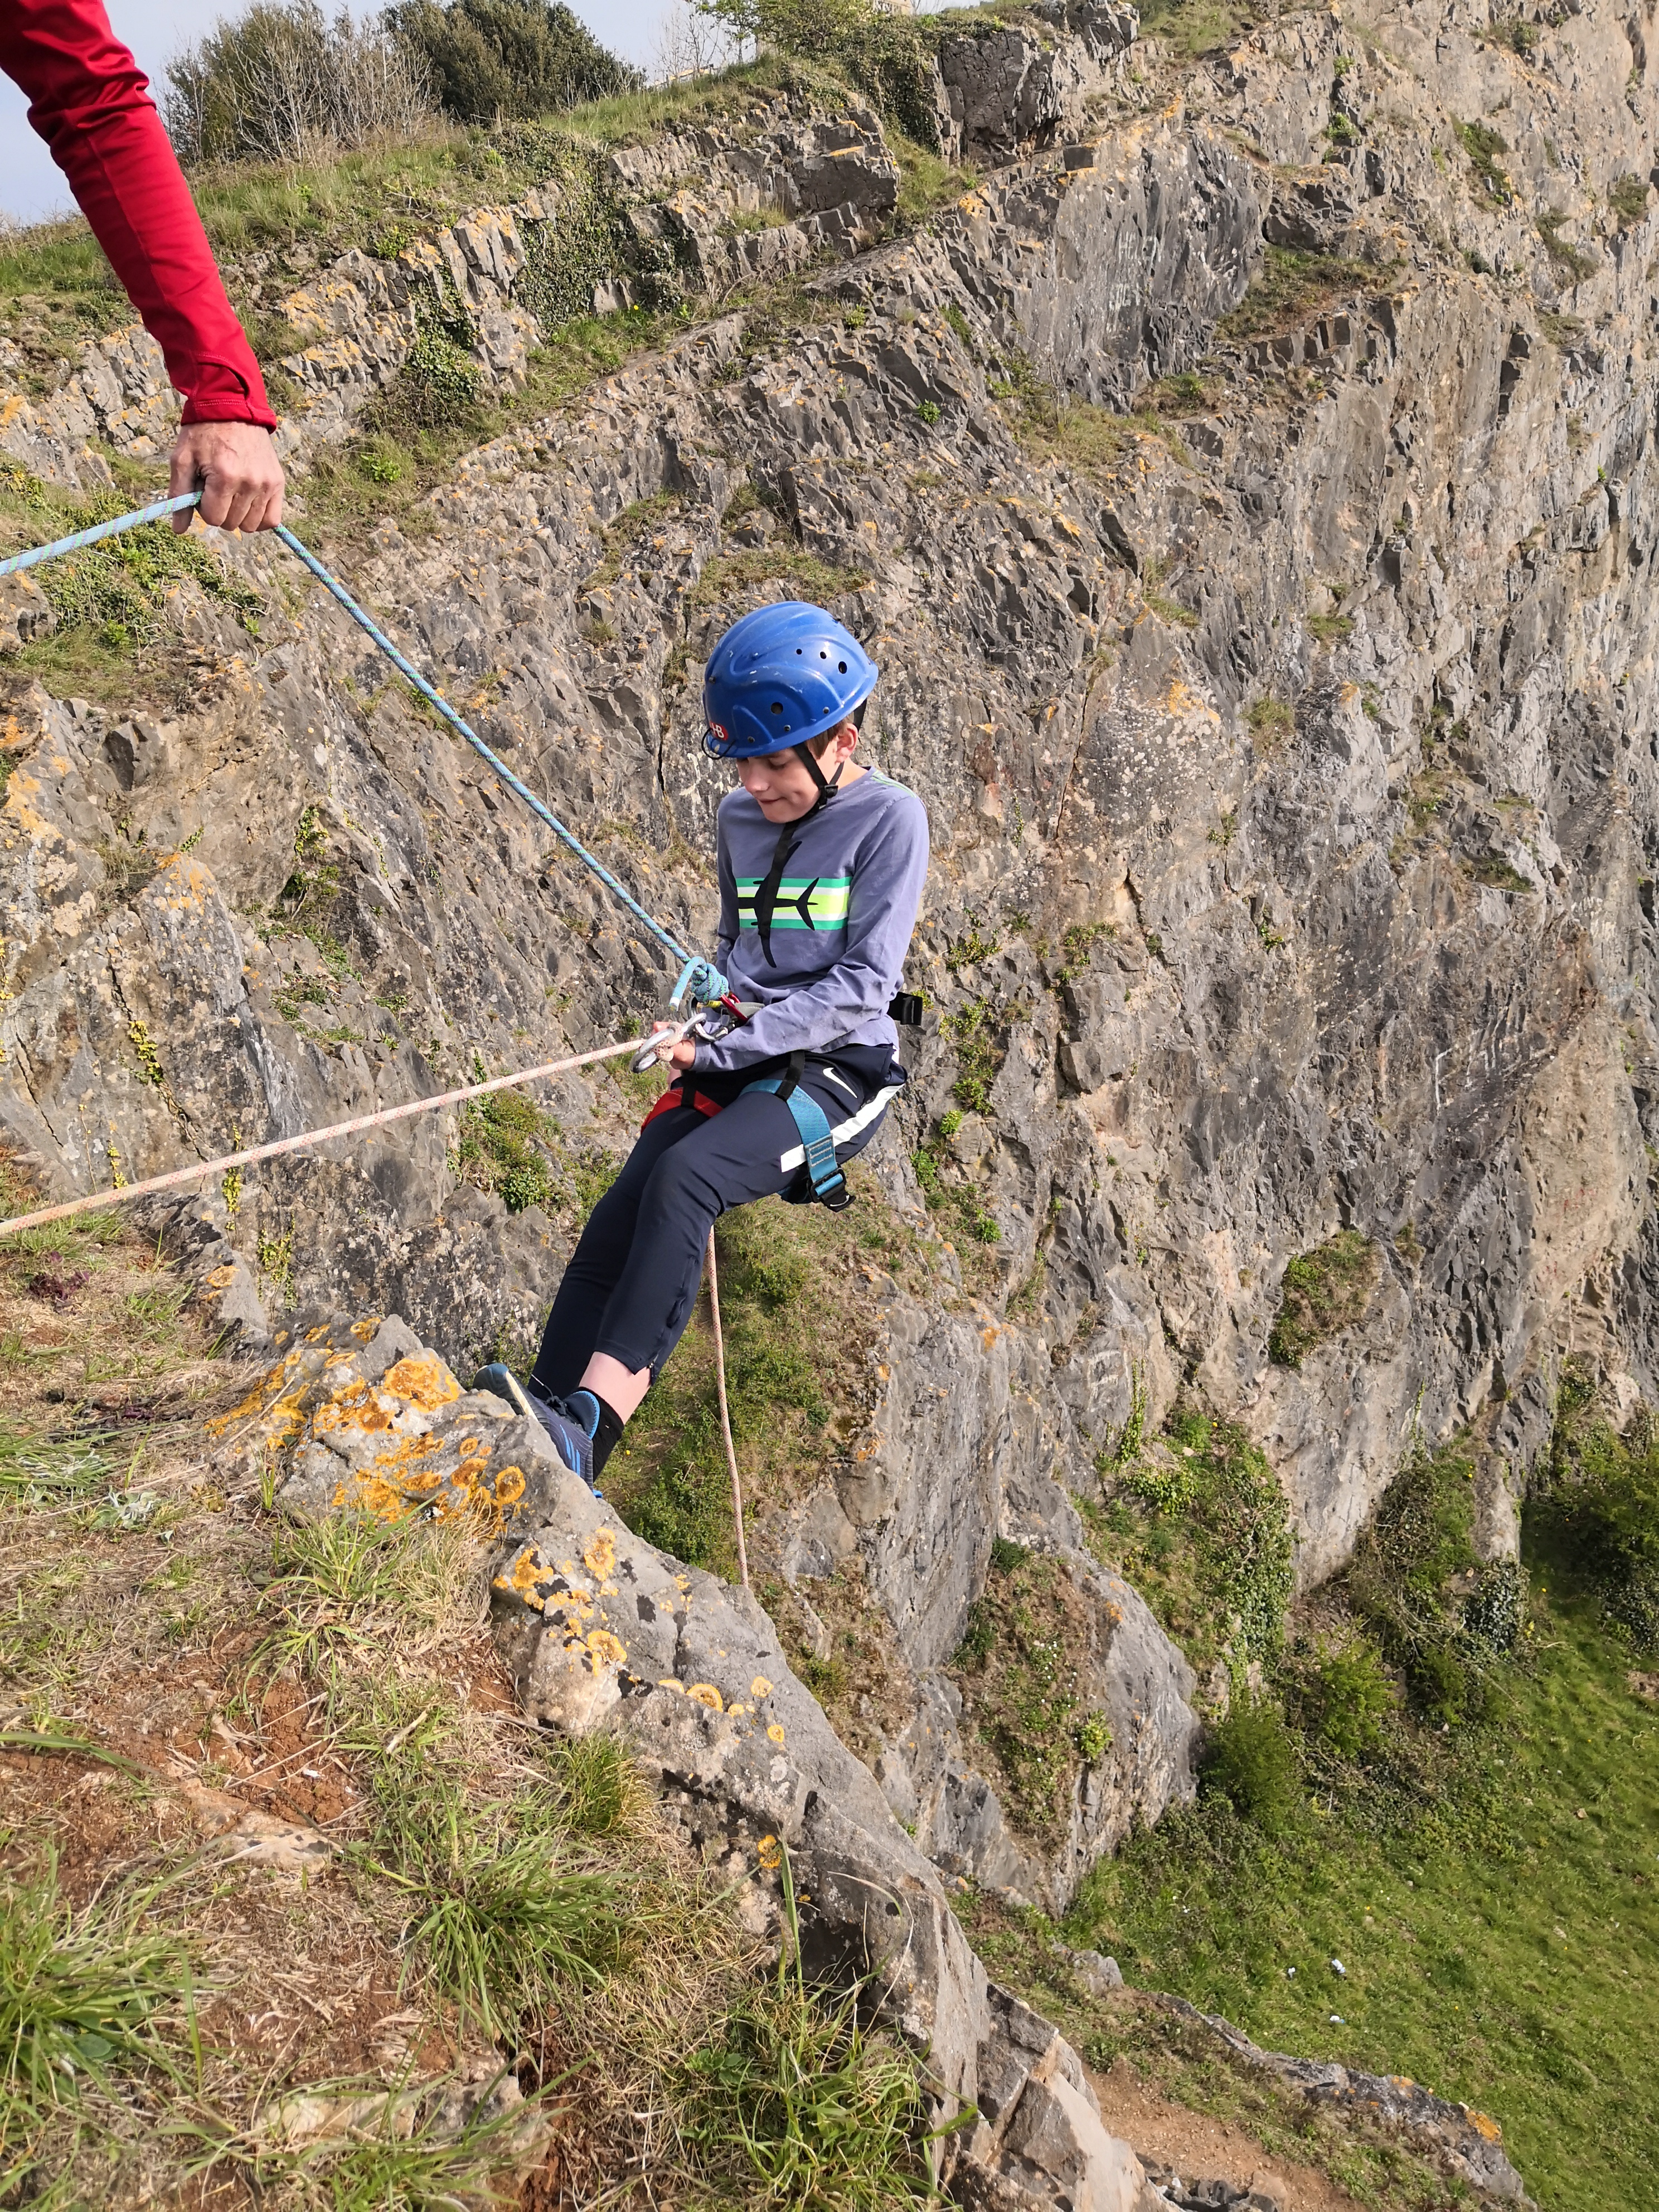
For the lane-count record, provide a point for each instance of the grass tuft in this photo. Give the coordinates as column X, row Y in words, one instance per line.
column 1324, row 1292
column 84, row 1997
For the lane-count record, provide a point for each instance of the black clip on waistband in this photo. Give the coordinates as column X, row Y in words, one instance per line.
column 905, row 1008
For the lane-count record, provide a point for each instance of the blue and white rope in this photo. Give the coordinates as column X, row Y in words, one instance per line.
column 407, row 668
column 163, row 507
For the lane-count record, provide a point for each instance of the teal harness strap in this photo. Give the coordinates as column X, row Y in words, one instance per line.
column 828, row 1183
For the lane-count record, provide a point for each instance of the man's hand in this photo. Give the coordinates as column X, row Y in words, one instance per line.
column 236, row 467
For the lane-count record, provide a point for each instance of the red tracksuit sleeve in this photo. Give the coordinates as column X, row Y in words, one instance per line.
column 90, row 102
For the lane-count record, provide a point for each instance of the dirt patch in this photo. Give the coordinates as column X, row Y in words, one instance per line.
column 1199, row 2148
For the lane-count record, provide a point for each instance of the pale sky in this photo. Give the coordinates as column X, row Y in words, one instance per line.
column 31, row 184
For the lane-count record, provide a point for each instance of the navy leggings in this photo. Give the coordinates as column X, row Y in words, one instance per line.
column 633, row 1278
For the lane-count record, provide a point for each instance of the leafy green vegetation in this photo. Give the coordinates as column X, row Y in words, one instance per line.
column 794, row 1337
column 730, row 577
column 1572, row 260
column 1197, row 1524
column 1518, row 35
column 1482, row 145
column 1192, row 27
column 1324, row 1291
column 1627, row 196
column 1601, row 1508
column 1271, row 721
column 1021, row 1669
column 979, row 1052
column 487, row 59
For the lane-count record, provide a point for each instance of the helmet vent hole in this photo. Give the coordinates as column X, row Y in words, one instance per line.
column 841, row 665
column 776, row 707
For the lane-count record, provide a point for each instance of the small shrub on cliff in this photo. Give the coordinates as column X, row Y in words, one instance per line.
column 1351, row 1697
column 1325, row 1292
column 1251, row 1758
column 1602, row 1508
column 1413, row 1578
column 1200, row 1525
column 1627, row 197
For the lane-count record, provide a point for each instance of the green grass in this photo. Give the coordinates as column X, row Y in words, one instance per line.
column 792, row 2093
column 38, row 1470
column 1482, row 145
column 84, row 1996
column 112, row 602
column 1292, row 285
column 495, row 1921
column 1499, row 1947
column 1324, row 1292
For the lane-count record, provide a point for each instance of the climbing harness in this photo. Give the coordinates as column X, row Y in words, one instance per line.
column 118, row 1193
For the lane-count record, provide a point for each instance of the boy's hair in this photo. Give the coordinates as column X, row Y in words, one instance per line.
column 820, row 746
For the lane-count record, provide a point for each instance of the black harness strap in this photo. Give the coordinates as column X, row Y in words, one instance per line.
column 766, row 895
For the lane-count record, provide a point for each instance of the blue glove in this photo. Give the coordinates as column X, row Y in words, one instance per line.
column 701, row 981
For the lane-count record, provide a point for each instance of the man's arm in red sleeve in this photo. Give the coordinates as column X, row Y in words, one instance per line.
column 90, row 102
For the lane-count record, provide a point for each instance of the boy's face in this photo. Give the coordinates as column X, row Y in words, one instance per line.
column 779, row 783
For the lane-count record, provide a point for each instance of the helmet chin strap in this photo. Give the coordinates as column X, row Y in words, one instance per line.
column 827, row 786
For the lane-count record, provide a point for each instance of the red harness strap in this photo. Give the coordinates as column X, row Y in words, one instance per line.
column 673, row 1098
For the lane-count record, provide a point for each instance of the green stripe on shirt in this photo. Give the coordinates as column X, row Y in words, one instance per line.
column 803, row 901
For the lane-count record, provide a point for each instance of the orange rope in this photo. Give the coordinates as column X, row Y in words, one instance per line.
column 725, row 1417
column 355, row 1127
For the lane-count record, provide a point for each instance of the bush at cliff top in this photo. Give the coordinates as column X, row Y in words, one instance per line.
column 883, row 54
column 488, row 58
column 281, row 83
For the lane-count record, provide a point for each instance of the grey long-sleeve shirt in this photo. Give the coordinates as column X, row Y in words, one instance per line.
column 840, row 927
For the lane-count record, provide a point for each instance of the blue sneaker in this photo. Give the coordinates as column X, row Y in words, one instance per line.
column 566, row 1420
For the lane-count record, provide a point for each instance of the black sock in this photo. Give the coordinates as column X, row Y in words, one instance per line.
column 606, row 1437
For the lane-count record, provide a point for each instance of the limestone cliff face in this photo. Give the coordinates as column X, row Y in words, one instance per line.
column 1321, row 719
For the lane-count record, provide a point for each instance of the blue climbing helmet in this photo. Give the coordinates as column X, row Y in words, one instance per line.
column 781, row 675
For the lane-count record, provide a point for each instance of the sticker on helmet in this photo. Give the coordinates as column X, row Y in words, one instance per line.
column 719, row 729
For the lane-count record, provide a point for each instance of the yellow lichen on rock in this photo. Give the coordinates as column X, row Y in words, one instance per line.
column 600, row 1556
column 423, row 1380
